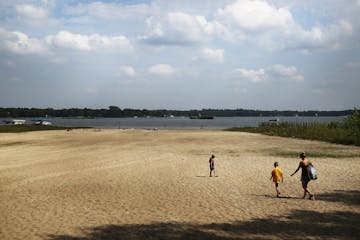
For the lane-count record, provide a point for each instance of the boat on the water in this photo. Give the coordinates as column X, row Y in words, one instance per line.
column 15, row 121
column 41, row 122
column 274, row 120
column 202, row 117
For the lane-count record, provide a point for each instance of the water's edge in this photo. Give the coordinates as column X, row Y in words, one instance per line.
column 179, row 122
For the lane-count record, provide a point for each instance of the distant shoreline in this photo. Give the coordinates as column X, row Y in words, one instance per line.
column 176, row 122
column 116, row 112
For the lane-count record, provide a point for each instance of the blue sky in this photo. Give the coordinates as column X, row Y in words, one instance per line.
column 255, row 54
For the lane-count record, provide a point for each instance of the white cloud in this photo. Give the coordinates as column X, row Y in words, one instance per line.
column 254, row 15
column 276, row 72
column 213, row 55
column 128, row 70
column 251, row 75
column 29, row 11
column 274, row 28
column 64, row 39
column 320, row 37
column 20, row 43
column 178, row 28
column 284, row 72
column 161, row 69
column 192, row 27
column 35, row 15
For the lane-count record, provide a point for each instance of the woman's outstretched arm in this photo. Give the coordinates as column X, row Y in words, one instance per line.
column 296, row 170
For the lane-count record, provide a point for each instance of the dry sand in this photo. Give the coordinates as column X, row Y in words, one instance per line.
column 142, row 184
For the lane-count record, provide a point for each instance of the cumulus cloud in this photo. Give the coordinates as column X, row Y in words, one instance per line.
column 20, row 43
column 286, row 72
column 276, row 72
column 29, row 11
column 161, row 69
column 178, row 28
column 319, row 37
column 65, row 39
column 254, row 15
column 35, row 15
column 251, row 75
column 267, row 25
column 213, row 55
column 274, row 28
column 193, row 27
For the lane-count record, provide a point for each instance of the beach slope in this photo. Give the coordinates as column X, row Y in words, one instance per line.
column 145, row 184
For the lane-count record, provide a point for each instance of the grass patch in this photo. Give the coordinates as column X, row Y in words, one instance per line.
column 29, row 128
column 331, row 133
column 312, row 154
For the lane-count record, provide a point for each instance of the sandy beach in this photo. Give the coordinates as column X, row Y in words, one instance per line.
column 145, row 184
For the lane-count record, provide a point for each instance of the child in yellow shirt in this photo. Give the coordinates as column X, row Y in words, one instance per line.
column 277, row 176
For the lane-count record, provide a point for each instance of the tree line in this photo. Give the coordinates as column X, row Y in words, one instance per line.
column 116, row 112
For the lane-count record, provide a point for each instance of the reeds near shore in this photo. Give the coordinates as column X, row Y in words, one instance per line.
column 346, row 132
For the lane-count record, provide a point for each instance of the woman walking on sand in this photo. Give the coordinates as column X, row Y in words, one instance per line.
column 305, row 179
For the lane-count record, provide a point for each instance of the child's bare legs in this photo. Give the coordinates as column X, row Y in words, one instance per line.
column 212, row 170
column 277, row 189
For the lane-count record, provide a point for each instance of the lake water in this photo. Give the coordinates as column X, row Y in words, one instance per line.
column 180, row 122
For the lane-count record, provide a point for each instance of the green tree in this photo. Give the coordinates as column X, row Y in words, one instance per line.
column 352, row 123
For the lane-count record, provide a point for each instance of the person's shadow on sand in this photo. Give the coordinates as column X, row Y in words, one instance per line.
column 201, row 176
column 295, row 225
column 287, row 197
column 351, row 197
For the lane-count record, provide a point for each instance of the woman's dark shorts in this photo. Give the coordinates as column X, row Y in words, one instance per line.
column 305, row 180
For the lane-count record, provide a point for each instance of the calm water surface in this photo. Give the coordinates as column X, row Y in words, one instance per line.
column 180, row 122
